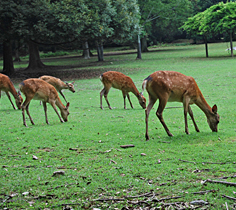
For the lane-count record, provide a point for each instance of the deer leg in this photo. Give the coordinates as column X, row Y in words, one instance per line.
column 45, row 111
column 186, row 110
column 23, row 114
column 55, row 108
column 161, row 107
column 9, row 97
column 101, row 94
column 129, row 100
column 24, row 105
column 27, row 111
column 124, row 96
column 191, row 115
column 147, row 111
column 63, row 95
column 105, row 93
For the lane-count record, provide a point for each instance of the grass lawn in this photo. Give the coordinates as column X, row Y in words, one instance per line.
column 97, row 172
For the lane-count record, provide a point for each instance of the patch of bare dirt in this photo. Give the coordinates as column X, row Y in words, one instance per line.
column 62, row 72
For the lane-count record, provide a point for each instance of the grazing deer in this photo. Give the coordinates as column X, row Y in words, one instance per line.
column 122, row 82
column 58, row 84
column 38, row 89
column 174, row 86
column 7, row 86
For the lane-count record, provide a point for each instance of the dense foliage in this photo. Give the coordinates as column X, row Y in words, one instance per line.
column 97, row 22
column 218, row 19
column 161, row 19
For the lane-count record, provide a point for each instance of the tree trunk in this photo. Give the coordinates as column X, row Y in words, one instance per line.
column 231, row 44
column 100, row 52
column 53, row 49
column 86, row 53
column 17, row 56
column 206, row 47
column 8, row 67
column 34, row 58
column 139, row 53
column 144, row 44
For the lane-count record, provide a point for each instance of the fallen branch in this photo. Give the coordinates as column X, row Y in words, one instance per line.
column 219, row 182
column 226, row 205
column 112, row 161
column 109, row 199
column 127, row 146
column 142, row 195
column 230, row 198
column 212, row 163
column 167, row 198
column 226, row 177
column 203, row 192
column 187, row 161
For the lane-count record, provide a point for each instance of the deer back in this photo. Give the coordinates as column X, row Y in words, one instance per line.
column 38, row 89
column 57, row 83
column 118, row 80
column 173, row 85
column 6, row 84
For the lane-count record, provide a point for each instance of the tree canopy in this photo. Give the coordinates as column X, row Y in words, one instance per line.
column 55, row 22
column 161, row 19
column 218, row 19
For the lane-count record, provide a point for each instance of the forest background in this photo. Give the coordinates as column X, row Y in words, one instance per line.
column 29, row 27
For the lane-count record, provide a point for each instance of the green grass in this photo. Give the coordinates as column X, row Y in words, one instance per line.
column 87, row 147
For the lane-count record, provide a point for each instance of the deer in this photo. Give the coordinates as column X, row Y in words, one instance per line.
column 7, row 86
column 169, row 86
column 38, row 89
column 58, row 84
column 122, row 82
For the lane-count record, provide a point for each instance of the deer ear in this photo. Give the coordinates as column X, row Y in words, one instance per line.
column 67, row 105
column 214, row 109
column 73, row 83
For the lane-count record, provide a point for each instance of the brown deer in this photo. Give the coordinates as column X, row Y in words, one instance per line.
column 38, row 89
column 122, row 82
column 58, row 84
column 174, row 86
column 7, row 86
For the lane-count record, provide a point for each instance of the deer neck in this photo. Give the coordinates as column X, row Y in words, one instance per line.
column 59, row 104
column 13, row 90
column 204, row 106
column 135, row 91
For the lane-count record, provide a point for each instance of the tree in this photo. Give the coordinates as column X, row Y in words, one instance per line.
column 8, row 11
column 16, row 20
column 219, row 18
column 193, row 26
column 39, row 21
column 60, row 22
column 112, row 21
column 202, row 5
column 222, row 18
column 161, row 19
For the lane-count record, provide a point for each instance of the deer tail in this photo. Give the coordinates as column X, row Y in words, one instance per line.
column 144, row 85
